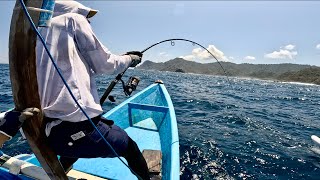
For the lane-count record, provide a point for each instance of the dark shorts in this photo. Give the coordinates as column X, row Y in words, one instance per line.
column 90, row 144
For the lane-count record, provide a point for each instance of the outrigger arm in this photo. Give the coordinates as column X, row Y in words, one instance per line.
column 22, row 61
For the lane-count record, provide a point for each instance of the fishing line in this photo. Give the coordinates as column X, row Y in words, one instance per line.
column 67, row 86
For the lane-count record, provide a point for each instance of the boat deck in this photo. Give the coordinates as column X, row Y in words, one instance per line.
column 144, row 133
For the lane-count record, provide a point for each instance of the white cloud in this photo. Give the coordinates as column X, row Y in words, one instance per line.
column 249, row 58
column 318, row 46
column 286, row 52
column 282, row 54
column 231, row 58
column 289, row 47
column 163, row 54
column 202, row 54
column 188, row 57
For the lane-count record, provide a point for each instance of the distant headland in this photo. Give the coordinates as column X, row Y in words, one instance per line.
column 281, row 72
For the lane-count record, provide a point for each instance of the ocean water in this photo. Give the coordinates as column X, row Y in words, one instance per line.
column 245, row 129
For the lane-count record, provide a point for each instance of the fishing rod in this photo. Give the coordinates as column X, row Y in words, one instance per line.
column 128, row 88
column 110, row 87
column 193, row 43
column 133, row 81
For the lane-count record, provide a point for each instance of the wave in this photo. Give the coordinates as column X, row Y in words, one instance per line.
column 300, row 83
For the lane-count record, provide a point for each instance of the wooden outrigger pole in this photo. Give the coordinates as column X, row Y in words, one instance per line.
column 22, row 60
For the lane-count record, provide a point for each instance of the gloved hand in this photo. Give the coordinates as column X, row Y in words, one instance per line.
column 12, row 121
column 136, row 57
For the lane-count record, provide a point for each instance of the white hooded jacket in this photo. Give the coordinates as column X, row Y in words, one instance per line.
column 79, row 55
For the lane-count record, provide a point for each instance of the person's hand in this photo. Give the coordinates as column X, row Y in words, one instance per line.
column 136, row 57
column 28, row 113
column 12, row 121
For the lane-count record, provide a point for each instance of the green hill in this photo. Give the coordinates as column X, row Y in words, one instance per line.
column 282, row 72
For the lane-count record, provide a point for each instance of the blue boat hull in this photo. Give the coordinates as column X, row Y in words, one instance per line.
column 149, row 119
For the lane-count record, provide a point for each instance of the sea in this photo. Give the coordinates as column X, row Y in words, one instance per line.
column 232, row 128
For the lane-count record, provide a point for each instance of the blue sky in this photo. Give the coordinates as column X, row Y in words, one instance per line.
column 266, row 32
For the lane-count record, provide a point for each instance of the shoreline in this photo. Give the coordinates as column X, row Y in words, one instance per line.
column 242, row 77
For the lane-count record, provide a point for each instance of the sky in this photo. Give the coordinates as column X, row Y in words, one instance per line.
column 257, row 32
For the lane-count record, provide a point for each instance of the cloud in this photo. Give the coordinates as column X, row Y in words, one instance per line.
column 318, row 46
column 282, row 54
column 249, row 58
column 286, row 52
column 231, row 58
column 202, row 54
column 188, row 57
column 165, row 54
column 289, row 47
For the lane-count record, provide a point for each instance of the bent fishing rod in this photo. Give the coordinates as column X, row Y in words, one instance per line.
column 119, row 76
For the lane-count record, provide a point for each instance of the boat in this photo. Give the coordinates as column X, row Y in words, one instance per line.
column 149, row 119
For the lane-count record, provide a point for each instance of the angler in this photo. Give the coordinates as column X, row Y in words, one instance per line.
column 81, row 56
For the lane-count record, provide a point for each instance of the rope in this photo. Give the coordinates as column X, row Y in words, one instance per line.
column 67, row 86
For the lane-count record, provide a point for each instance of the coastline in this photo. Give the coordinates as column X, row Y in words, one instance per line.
column 241, row 77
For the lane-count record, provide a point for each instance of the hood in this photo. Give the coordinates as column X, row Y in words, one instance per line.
column 70, row 6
